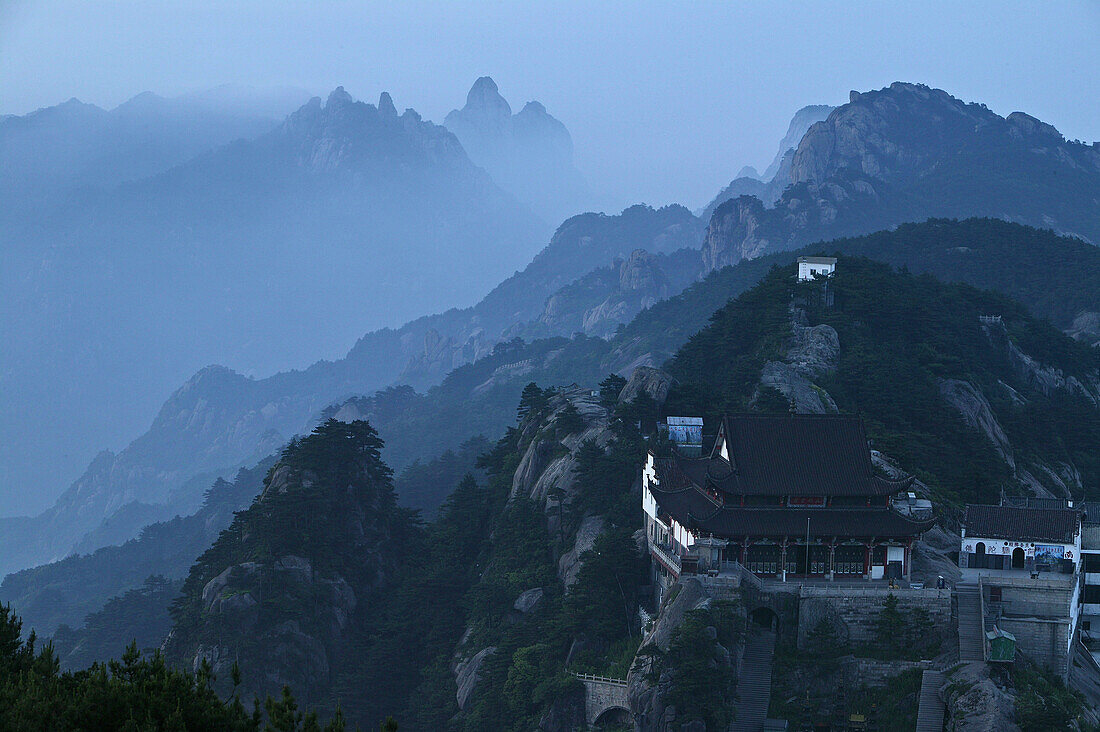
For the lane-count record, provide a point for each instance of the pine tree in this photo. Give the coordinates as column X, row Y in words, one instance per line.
column 532, row 402
column 610, row 388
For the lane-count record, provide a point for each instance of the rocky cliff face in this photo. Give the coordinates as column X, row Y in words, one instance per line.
column 277, row 591
column 529, row 153
column 811, row 353
column 769, row 186
column 599, row 302
column 909, row 152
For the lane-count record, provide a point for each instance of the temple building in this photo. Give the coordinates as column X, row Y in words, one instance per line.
column 786, row 496
column 1024, row 557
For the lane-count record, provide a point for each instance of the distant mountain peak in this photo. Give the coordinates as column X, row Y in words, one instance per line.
column 529, row 153
column 385, row 105
column 339, row 97
column 484, row 103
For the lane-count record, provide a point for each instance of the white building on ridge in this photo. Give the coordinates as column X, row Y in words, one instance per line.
column 809, row 267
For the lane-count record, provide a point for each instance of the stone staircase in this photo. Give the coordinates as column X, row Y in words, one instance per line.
column 930, row 711
column 754, row 688
column 971, row 630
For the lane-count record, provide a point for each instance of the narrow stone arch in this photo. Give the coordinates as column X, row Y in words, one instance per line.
column 605, row 700
column 765, row 617
column 613, row 715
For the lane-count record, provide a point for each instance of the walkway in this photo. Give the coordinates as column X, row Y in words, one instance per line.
column 930, row 712
column 971, row 633
column 754, row 688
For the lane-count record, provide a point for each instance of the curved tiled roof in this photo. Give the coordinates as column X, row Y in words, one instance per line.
column 790, row 455
column 802, row 454
column 697, row 512
column 1056, row 525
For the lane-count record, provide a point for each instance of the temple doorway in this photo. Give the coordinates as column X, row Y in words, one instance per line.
column 1018, row 558
column 979, row 555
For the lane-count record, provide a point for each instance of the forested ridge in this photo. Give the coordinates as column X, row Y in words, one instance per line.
column 328, row 584
column 902, row 337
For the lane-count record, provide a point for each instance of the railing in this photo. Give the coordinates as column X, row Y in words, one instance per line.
column 670, row 559
column 746, row 575
column 981, row 621
column 601, row 679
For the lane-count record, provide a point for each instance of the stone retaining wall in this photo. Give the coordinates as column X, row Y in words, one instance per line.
column 853, row 611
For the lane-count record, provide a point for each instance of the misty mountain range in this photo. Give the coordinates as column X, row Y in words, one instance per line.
column 905, row 153
column 164, row 235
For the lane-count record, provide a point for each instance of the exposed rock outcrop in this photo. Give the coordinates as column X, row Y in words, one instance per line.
column 645, row 379
column 1086, row 328
column 539, row 469
column 902, row 154
column 811, row 354
column 570, row 563
column 649, row 699
column 468, row 674
column 975, row 410
column 975, row 703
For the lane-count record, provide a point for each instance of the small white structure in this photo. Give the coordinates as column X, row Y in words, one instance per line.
column 685, row 430
column 809, row 267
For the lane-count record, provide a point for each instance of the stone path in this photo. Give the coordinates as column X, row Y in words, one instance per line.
column 971, row 633
column 754, row 688
column 930, row 712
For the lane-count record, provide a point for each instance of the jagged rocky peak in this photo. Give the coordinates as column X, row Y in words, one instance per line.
column 339, row 97
column 769, row 185
column 801, row 122
column 484, row 99
column 898, row 131
column 344, row 131
column 529, row 153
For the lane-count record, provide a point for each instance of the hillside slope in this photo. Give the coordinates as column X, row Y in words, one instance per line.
column 960, row 386
column 276, row 592
column 220, row 420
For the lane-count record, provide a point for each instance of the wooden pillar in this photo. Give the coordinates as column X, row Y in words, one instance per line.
column 867, row 561
column 744, row 550
column 783, row 559
column 831, row 569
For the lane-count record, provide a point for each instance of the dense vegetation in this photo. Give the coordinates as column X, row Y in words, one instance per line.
column 65, row 592
column 1054, row 277
column 138, row 616
column 280, row 586
column 1050, row 276
column 426, row 485
column 1043, row 703
column 133, row 693
column 900, row 336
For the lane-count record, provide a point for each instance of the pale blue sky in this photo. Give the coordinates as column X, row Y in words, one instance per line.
column 665, row 100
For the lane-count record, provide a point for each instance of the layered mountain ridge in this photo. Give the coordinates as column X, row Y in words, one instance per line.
column 529, row 153
column 220, row 420
column 407, row 223
column 577, row 284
